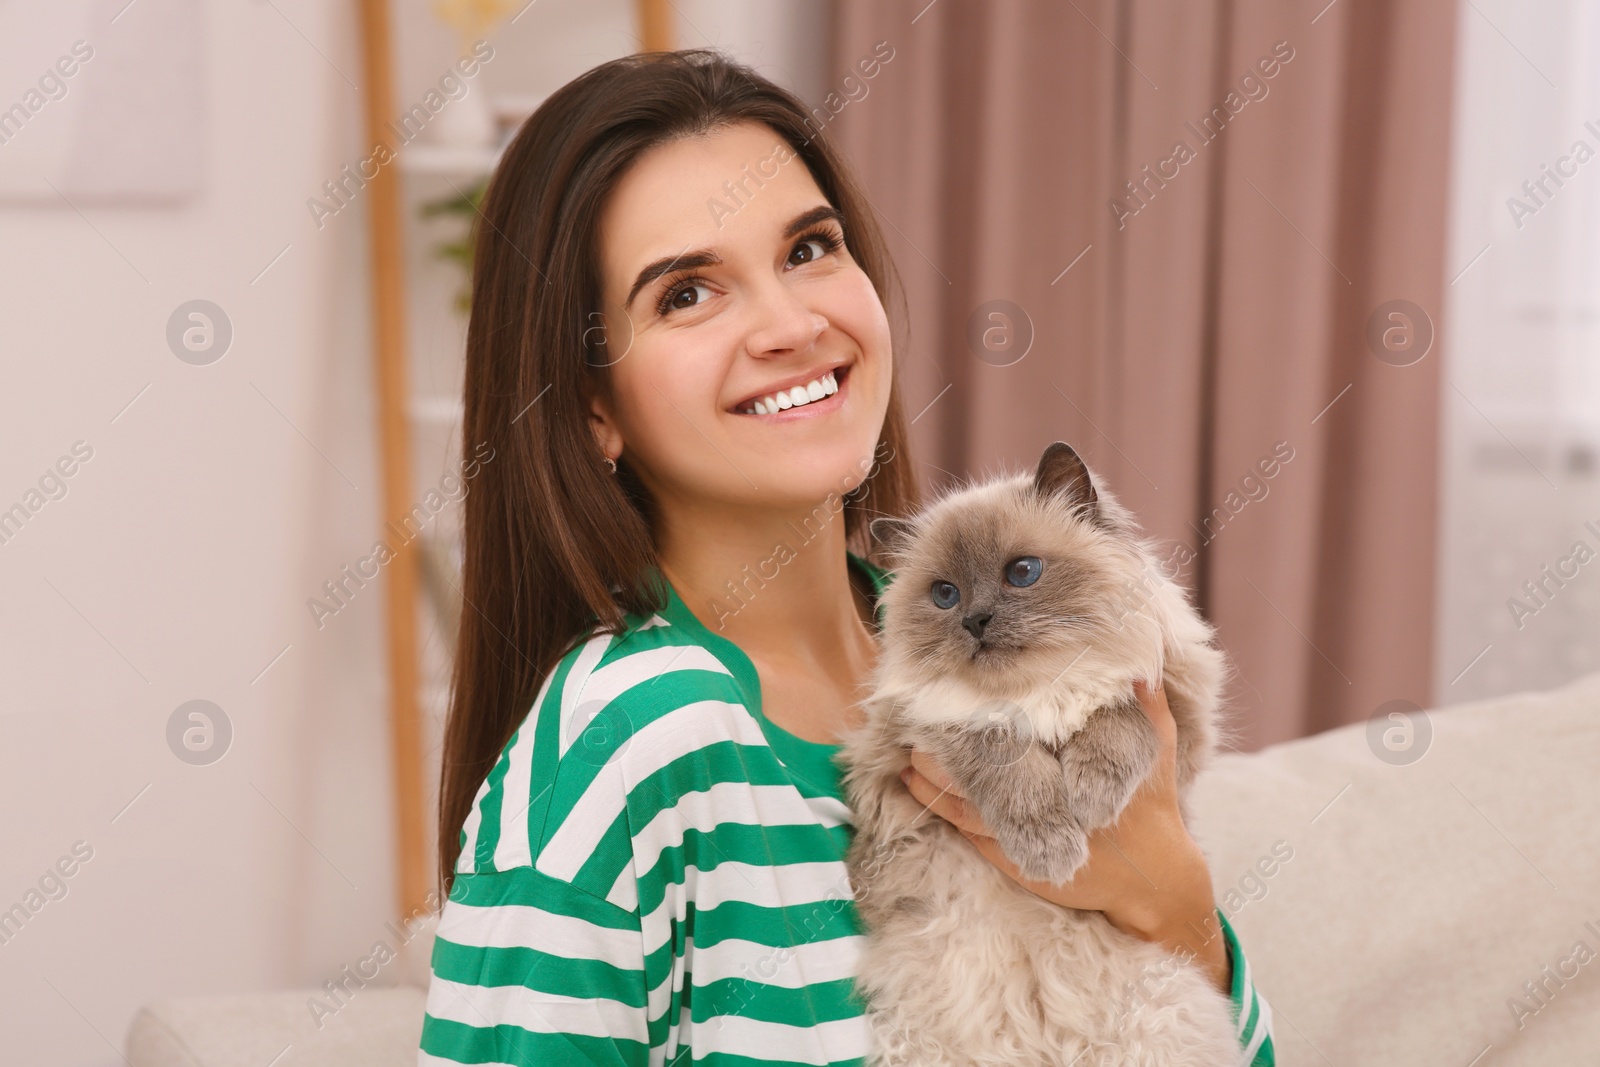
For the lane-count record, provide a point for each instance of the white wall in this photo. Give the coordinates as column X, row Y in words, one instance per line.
column 179, row 562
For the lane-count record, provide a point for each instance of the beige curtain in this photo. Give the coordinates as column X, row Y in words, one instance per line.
column 1201, row 319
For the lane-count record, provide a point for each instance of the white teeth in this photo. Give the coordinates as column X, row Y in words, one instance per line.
column 798, row 396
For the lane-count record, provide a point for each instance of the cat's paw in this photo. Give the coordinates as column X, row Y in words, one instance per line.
column 1105, row 763
column 1053, row 856
column 1095, row 795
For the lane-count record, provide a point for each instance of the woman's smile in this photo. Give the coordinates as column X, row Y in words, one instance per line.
column 821, row 395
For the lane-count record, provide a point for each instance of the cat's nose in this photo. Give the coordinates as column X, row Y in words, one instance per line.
column 975, row 623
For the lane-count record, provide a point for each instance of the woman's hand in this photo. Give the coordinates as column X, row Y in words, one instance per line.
column 1144, row 872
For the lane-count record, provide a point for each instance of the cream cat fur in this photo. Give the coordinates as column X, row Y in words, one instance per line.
column 1022, row 690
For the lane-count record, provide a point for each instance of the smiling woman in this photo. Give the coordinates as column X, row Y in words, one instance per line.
column 642, row 820
column 768, row 308
column 625, row 791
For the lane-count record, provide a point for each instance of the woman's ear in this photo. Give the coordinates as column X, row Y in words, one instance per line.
column 603, row 423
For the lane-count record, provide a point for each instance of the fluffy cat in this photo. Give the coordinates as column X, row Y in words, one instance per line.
column 1021, row 613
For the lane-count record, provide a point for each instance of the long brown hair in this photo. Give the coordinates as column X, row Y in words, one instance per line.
column 555, row 545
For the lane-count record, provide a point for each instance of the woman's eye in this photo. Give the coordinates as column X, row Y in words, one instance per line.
column 945, row 594
column 1024, row 571
column 807, row 251
column 684, row 297
column 813, row 246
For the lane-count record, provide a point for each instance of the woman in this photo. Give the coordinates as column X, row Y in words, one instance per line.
column 680, row 354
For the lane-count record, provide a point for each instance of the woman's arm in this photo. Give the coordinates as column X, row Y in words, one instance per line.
column 529, row 970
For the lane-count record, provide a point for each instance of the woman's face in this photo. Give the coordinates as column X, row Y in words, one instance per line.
column 726, row 279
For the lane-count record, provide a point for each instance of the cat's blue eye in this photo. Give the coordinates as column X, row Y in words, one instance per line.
column 1024, row 571
column 945, row 594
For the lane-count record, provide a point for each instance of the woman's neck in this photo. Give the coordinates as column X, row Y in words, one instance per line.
column 782, row 590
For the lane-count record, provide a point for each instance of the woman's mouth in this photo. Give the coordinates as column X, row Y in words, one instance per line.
column 819, row 396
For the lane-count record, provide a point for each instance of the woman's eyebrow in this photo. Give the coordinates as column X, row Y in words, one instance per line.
column 705, row 257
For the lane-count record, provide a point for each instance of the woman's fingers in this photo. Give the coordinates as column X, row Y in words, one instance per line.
column 1154, row 704
column 941, row 802
column 948, row 805
column 925, row 765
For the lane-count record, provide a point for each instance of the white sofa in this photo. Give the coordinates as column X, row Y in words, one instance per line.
column 1416, row 900
column 1419, row 902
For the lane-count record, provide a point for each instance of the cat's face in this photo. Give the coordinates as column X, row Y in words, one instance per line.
column 1001, row 585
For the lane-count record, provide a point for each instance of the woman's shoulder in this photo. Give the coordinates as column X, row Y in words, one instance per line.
column 615, row 709
column 647, row 670
column 655, row 682
column 626, row 724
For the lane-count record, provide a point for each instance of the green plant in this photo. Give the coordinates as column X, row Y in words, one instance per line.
column 463, row 203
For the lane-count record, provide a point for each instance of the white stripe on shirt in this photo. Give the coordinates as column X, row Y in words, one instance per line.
column 513, row 849
column 656, row 744
column 789, row 967
column 725, row 802
column 1263, row 1028
column 758, row 1039
column 598, row 688
column 535, row 1011
column 521, row 925
column 572, row 687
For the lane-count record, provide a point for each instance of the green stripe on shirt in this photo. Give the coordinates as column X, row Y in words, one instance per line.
column 1255, row 1030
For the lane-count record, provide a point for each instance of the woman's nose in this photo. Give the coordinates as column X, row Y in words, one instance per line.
column 782, row 322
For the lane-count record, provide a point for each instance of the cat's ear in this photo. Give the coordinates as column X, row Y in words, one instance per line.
column 894, row 534
column 1062, row 472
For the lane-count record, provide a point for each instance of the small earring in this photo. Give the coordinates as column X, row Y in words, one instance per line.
column 612, row 463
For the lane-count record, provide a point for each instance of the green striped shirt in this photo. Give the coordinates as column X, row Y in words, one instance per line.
column 653, row 873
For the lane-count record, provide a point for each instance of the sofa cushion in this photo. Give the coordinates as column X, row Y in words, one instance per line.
column 375, row 1028
column 1417, row 898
